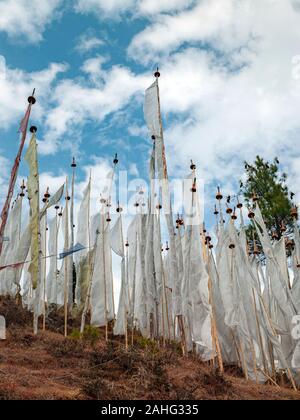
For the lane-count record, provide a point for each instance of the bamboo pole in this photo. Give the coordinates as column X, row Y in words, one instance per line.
column 243, row 360
column 182, row 333
column 105, row 285
column 127, row 298
column 90, row 270
column 57, row 224
column 126, row 330
column 44, row 273
column 167, row 305
column 254, row 360
column 37, row 290
column 214, row 331
column 66, row 285
column 163, row 323
column 72, row 229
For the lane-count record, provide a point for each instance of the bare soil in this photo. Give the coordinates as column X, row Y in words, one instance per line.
column 50, row 367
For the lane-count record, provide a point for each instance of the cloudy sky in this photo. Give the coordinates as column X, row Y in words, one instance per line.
column 230, row 85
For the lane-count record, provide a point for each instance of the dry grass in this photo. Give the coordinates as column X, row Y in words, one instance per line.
column 51, row 367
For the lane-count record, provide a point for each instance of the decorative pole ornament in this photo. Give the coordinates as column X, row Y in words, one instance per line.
column 219, row 196
column 294, row 212
column 33, row 129
column 102, row 199
column 119, row 208
column 116, row 160
column 46, row 196
column 22, row 187
column 73, row 164
column 251, row 214
column 207, row 239
column 228, row 209
column 193, row 167
column 216, row 211
column 289, row 244
column 194, row 186
column 31, row 99
column 234, row 216
column 282, row 227
column 157, row 73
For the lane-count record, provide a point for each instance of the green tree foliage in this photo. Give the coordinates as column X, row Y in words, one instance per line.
column 269, row 185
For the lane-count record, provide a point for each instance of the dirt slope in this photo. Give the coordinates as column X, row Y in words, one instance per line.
column 51, row 367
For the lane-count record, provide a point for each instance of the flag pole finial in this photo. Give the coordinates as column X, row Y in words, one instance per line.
column 116, row 160
column 157, row 73
column 73, row 164
column 219, row 196
column 193, row 166
column 31, row 99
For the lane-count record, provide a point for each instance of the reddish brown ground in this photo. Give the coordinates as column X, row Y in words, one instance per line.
column 51, row 367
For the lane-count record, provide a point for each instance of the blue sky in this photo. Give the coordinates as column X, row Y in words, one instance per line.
column 230, row 85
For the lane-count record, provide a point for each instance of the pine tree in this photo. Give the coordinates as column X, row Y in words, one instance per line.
column 266, row 182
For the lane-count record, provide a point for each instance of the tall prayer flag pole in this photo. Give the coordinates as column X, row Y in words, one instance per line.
column 14, row 172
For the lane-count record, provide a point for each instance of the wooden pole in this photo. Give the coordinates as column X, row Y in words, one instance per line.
column 90, row 270
column 57, row 224
column 105, row 285
column 182, row 333
column 127, row 297
column 126, row 330
column 214, row 330
column 72, row 232
column 166, row 305
column 14, row 172
column 44, row 273
column 66, row 285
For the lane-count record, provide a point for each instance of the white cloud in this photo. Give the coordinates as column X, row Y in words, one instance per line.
column 93, row 67
column 76, row 102
column 104, row 8
column 209, row 21
column 159, row 6
column 221, row 108
column 136, row 8
column 222, row 117
column 88, row 43
column 26, row 21
column 17, row 85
